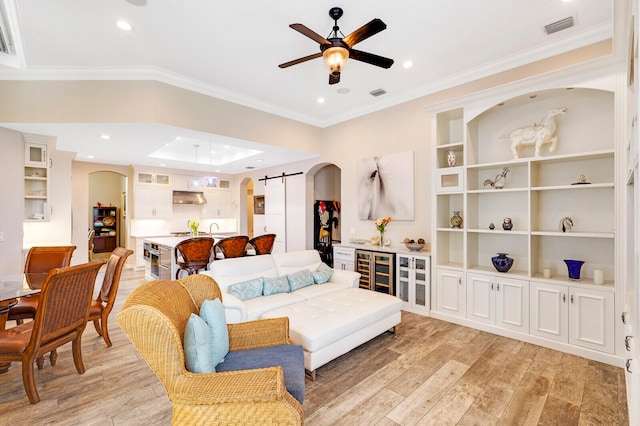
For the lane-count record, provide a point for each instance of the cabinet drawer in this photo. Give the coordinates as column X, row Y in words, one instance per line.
column 343, row 254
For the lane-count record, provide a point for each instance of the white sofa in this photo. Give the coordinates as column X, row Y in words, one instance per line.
column 328, row 319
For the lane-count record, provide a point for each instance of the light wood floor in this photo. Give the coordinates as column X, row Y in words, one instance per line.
column 430, row 372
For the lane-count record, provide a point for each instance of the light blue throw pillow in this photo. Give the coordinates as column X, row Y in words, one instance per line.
column 275, row 285
column 212, row 312
column 322, row 274
column 246, row 290
column 197, row 346
column 300, row 279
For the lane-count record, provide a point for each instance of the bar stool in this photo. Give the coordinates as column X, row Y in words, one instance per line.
column 263, row 244
column 231, row 247
column 193, row 255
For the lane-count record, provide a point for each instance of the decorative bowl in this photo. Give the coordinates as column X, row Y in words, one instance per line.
column 414, row 246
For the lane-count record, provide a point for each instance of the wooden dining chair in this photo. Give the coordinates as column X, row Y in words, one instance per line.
column 40, row 260
column 193, row 254
column 231, row 247
column 263, row 244
column 61, row 317
column 102, row 305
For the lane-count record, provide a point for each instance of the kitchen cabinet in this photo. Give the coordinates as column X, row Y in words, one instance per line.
column 575, row 314
column 343, row 258
column 413, row 282
column 498, row 300
column 36, row 183
column 376, row 270
column 146, row 178
column 450, row 292
column 152, row 202
column 218, row 204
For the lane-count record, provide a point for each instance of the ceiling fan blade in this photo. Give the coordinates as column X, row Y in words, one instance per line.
column 370, row 58
column 299, row 60
column 364, row 32
column 309, row 33
column 334, row 78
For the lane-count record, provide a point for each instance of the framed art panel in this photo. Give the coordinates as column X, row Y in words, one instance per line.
column 258, row 204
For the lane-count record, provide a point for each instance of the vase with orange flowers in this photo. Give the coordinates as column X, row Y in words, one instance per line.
column 381, row 226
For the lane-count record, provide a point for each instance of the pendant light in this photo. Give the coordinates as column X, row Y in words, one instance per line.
column 211, row 180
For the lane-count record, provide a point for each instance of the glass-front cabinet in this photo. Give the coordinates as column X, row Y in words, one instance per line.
column 36, row 182
column 413, row 282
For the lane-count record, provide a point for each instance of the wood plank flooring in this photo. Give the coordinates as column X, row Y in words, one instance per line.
column 429, row 373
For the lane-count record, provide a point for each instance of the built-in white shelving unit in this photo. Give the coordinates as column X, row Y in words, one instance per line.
column 577, row 316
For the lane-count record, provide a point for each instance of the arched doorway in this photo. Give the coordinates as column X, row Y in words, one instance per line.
column 107, row 191
column 325, row 205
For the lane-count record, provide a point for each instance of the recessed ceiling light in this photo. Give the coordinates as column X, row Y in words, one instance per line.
column 91, row 156
column 320, row 100
column 105, row 136
column 123, row 25
column 407, row 64
column 344, row 90
column 259, row 160
column 162, row 165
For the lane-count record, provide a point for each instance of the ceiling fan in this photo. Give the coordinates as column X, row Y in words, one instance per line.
column 336, row 50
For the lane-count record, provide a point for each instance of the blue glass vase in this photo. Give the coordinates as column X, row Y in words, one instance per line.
column 502, row 262
column 574, row 267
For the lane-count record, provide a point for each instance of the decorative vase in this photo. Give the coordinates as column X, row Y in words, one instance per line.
column 456, row 219
column 574, row 267
column 451, row 158
column 381, row 238
column 502, row 262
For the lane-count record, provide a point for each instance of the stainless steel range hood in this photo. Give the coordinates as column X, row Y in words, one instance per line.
column 188, row 197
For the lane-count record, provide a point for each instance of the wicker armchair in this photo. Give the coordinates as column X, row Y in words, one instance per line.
column 154, row 318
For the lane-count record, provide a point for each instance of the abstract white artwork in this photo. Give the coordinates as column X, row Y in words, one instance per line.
column 385, row 187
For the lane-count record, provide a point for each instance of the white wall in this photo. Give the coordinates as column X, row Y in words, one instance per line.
column 11, row 204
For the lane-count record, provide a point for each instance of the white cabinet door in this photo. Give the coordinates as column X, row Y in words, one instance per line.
column 481, row 298
column 549, row 311
column 591, row 319
column 274, row 213
column 162, row 203
column 35, row 154
column 512, row 304
column 218, row 204
column 579, row 316
column 152, row 202
column 413, row 282
column 450, row 292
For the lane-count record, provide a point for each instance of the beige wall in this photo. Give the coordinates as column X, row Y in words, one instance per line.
column 395, row 129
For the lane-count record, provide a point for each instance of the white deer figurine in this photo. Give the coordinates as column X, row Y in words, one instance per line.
column 539, row 134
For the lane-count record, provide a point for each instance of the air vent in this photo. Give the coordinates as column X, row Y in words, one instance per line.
column 560, row 25
column 378, row 92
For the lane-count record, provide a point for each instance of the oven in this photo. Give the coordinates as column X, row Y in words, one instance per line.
column 164, row 263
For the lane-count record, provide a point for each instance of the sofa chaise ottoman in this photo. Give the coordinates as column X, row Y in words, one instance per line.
column 327, row 320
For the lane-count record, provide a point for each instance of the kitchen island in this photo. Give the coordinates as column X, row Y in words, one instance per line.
column 159, row 254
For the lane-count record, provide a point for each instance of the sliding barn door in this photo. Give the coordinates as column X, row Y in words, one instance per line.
column 274, row 213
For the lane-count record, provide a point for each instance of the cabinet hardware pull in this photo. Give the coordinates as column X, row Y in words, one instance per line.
column 564, row 297
column 50, row 162
column 627, row 343
column 491, row 286
column 571, row 298
column 459, row 280
column 498, row 286
column 628, row 364
column 624, row 317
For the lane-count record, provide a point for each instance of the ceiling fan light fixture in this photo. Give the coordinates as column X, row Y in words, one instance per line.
column 335, row 58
